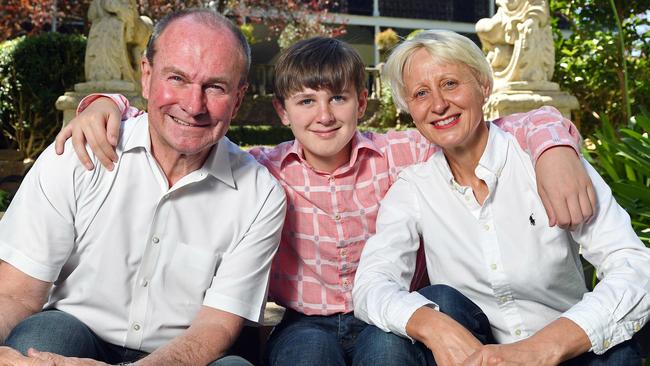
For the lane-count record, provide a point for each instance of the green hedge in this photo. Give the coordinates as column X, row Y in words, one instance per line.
column 251, row 135
column 34, row 72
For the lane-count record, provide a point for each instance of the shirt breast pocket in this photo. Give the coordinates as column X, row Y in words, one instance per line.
column 190, row 274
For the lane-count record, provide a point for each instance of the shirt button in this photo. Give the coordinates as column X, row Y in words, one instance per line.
column 331, row 179
column 337, row 217
column 346, row 283
column 606, row 344
column 144, row 283
column 486, row 227
column 518, row 332
column 344, row 252
column 136, row 327
column 637, row 327
column 493, row 266
column 155, row 240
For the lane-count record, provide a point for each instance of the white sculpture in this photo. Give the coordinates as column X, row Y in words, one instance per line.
column 117, row 38
column 519, row 43
column 520, row 49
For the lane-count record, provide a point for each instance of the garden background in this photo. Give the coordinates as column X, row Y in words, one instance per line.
column 602, row 49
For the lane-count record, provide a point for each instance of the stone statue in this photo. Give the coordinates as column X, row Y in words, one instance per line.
column 520, row 49
column 117, row 38
column 519, row 43
column 116, row 42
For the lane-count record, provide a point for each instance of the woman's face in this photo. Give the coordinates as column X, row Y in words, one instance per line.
column 445, row 101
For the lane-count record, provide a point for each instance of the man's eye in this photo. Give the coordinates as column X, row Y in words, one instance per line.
column 215, row 88
column 175, row 78
column 305, row 101
column 338, row 99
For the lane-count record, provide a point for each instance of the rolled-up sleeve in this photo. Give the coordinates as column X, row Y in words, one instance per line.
column 619, row 305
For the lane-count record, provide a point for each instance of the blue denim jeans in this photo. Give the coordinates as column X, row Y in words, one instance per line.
column 59, row 332
column 342, row 339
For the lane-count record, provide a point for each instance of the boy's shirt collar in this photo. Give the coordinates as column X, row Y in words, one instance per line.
column 359, row 142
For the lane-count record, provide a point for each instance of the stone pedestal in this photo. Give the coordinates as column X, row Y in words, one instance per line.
column 68, row 102
column 523, row 96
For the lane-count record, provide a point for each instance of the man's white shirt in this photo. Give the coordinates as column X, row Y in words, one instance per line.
column 134, row 259
column 503, row 255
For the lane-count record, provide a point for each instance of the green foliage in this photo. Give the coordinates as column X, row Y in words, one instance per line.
column 34, row 72
column 251, row 135
column 589, row 63
column 4, row 200
column 622, row 157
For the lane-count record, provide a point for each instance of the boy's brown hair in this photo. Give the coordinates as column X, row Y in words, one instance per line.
column 318, row 63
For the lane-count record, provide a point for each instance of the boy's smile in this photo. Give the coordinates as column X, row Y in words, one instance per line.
column 324, row 123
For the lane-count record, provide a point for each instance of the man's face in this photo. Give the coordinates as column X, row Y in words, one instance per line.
column 193, row 87
column 324, row 123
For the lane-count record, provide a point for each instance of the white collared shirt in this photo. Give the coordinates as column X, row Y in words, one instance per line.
column 503, row 255
column 135, row 260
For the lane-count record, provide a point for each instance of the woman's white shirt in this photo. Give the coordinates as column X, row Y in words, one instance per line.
column 503, row 255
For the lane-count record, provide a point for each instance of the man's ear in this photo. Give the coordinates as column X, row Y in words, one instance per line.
column 362, row 99
column 281, row 111
column 241, row 93
column 145, row 78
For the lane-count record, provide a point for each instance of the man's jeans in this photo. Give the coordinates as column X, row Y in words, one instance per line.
column 59, row 332
column 342, row 339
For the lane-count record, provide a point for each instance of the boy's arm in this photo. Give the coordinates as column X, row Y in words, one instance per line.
column 98, row 124
column 562, row 182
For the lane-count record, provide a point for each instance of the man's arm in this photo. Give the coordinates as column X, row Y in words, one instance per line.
column 20, row 297
column 211, row 334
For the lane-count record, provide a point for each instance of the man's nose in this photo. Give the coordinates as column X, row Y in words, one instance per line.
column 194, row 100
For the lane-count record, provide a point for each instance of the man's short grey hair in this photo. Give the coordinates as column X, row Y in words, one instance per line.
column 444, row 46
column 206, row 17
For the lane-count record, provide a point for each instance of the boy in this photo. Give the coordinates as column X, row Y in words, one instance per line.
column 334, row 178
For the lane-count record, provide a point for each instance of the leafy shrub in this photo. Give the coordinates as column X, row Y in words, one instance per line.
column 34, row 72
column 623, row 159
column 4, row 200
column 254, row 135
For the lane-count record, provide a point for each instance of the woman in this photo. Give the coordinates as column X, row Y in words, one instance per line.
column 485, row 232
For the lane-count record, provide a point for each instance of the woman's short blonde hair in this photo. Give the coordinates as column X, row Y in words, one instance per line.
column 442, row 45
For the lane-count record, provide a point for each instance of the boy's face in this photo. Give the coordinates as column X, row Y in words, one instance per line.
column 324, row 123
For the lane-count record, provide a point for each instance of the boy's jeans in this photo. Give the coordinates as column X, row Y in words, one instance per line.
column 342, row 339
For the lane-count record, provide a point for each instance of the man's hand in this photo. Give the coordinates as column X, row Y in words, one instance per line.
column 449, row 341
column 11, row 357
column 58, row 360
column 91, row 126
column 564, row 187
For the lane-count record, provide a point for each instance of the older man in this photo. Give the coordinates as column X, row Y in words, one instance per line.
column 192, row 223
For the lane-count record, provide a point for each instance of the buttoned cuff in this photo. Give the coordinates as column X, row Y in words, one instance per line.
column 405, row 309
column 590, row 320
